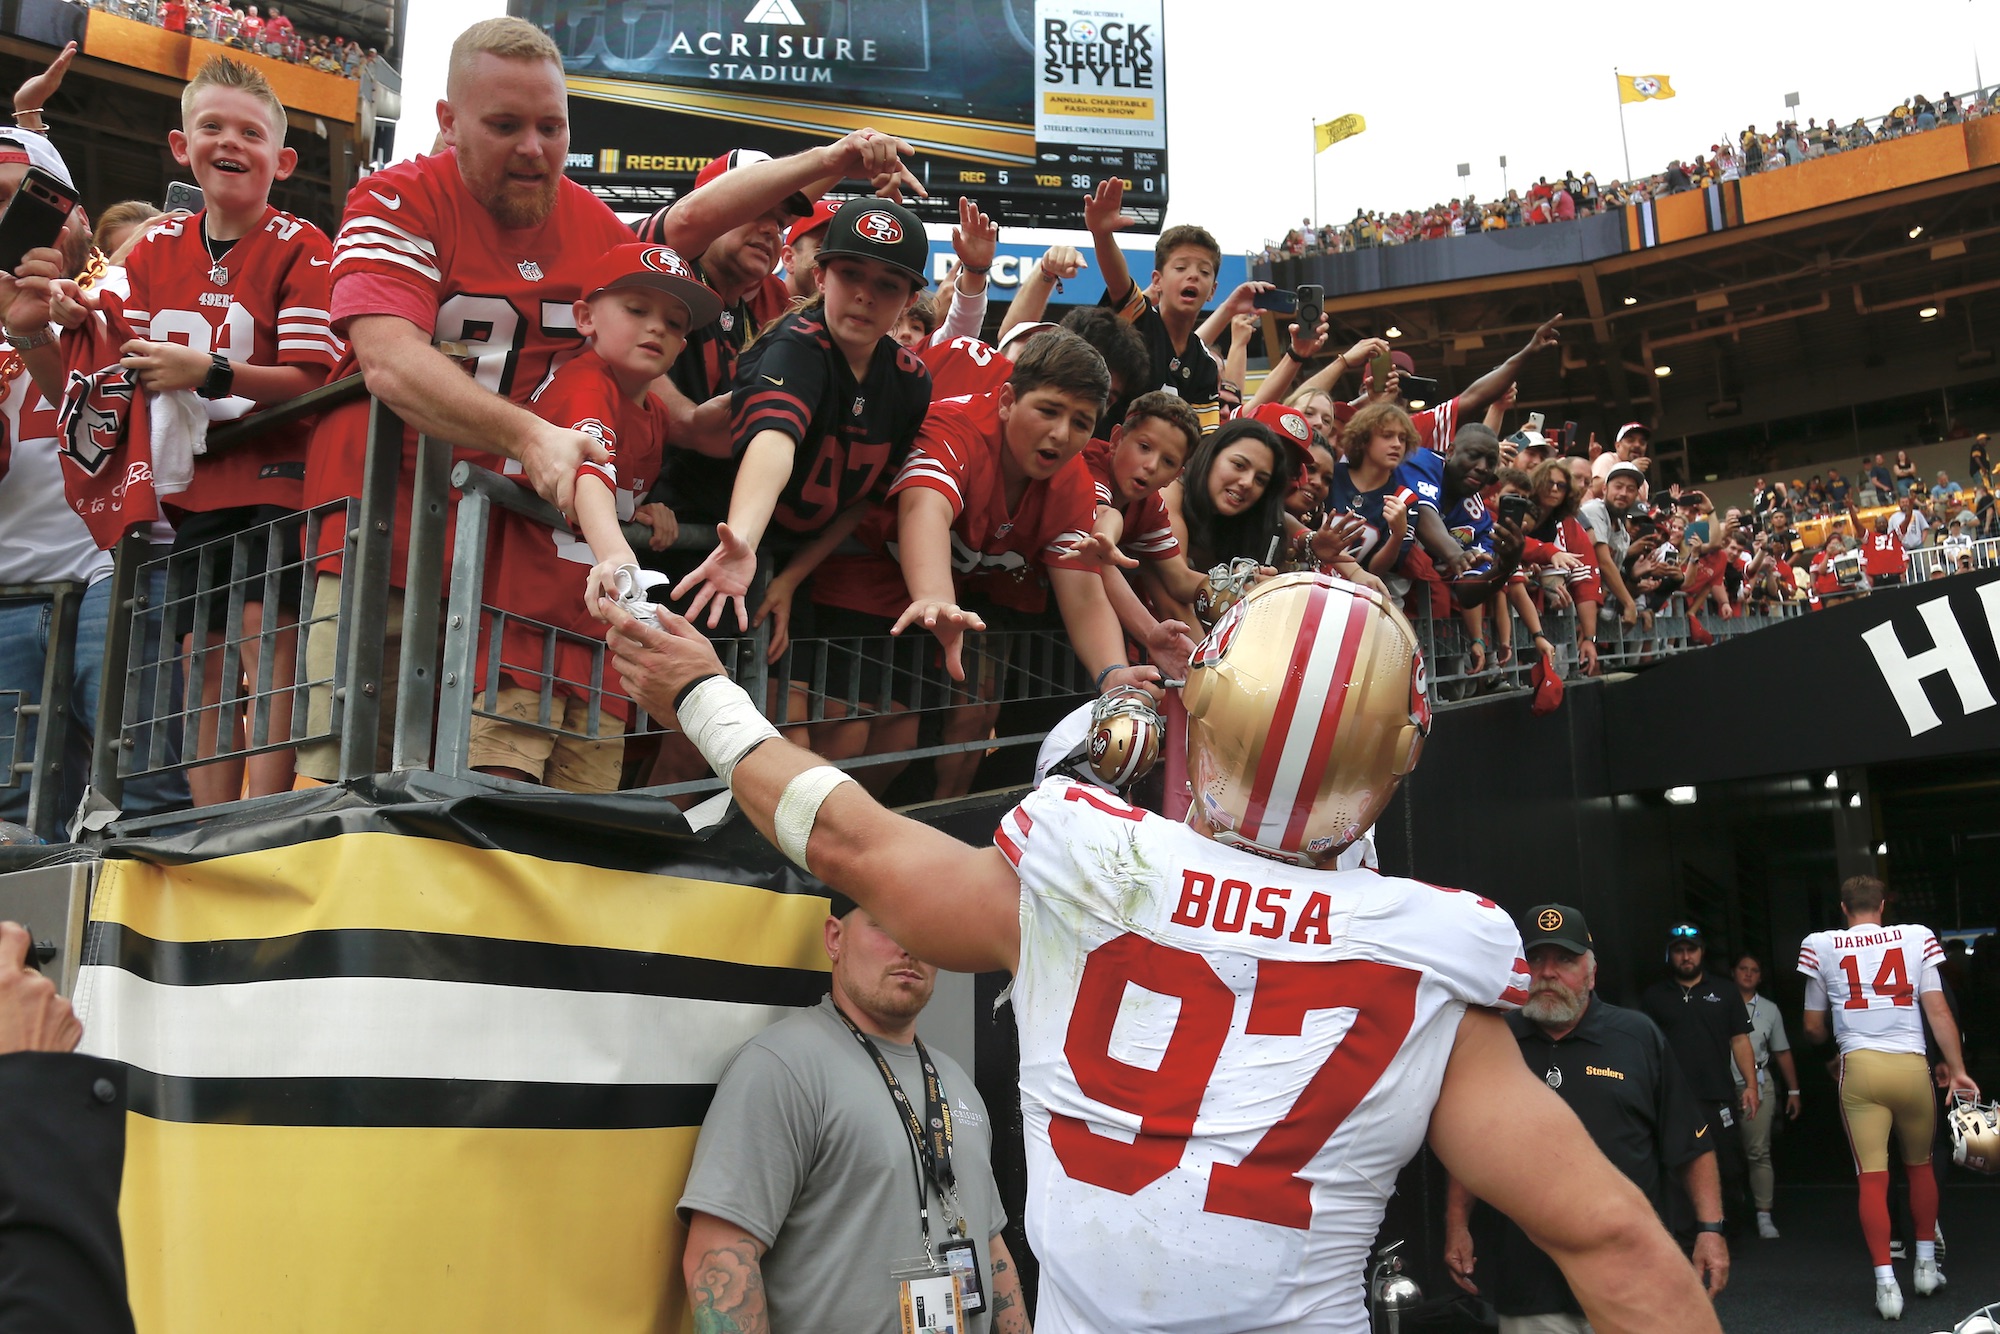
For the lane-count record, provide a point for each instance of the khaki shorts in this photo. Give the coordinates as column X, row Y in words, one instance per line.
column 565, row 760
column 1882, row 1091
column 321, row 759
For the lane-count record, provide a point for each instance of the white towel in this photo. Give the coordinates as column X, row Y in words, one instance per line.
column 179, row 422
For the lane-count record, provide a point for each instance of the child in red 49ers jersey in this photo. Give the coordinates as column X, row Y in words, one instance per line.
column 232, row 304
column 639, row 303
column 825, row 405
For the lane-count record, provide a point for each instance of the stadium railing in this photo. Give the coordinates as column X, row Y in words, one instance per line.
column 36, row 762
column 815, row 681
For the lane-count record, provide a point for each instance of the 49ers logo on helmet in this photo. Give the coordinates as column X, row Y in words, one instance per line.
column 1296, row 427
column 1420, row 692
column 1212, row 649
column 879, row 227
column 662, row 260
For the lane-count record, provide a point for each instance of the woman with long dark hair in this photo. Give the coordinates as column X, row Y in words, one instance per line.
column 1231, row 500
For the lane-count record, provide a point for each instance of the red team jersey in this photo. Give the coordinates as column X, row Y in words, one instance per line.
column 1882, row 553
column 414, row 243
column 535, row 571
column 963, row 367
column 1225, row 1063
column 1149, row 533
column 996, row 557
column 270, row 310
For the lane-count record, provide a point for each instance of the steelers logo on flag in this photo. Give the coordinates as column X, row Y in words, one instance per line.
column 1645, row 85
column 879, row 228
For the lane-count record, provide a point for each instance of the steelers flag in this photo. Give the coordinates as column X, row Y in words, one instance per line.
column 1333, row 131
column 437, row 1065
column 1644, row 87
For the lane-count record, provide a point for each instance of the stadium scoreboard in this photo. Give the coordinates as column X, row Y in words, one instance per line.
column 1020, row 105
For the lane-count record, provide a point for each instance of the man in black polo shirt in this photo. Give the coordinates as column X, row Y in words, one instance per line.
column 1614, row 1069
column 1709, row 1030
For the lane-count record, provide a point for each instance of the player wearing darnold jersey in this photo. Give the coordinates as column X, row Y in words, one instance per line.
column 1227, row 1053
column 1871, row 987
column 232, row 304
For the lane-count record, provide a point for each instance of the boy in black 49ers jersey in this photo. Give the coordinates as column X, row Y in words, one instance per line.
column 1185, row 263
column 232, row 304
column 826, row 405
column 639, row 303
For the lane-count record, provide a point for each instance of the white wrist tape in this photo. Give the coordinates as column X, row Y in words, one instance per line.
column 723, row 723
column 799, row 807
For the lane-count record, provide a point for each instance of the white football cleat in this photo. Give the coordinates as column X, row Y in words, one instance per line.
column 1929, row 1277
column 1888, row 1299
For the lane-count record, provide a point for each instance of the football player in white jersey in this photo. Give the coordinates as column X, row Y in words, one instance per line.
column 1871, row 987
column 1227, row 1052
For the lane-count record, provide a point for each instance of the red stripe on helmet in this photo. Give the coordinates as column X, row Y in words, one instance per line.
column 1281, row 719
column 1329, row 721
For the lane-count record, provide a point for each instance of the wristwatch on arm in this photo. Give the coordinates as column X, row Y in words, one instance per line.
column 221, row 378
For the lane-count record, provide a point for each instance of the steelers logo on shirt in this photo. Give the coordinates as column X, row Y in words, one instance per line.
column 879, row 227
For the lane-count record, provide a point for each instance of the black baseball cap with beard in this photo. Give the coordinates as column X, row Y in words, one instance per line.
column 1555, row 924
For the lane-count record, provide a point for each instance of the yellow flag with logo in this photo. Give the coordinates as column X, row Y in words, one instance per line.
column 1333, row 131
column 1644, row 87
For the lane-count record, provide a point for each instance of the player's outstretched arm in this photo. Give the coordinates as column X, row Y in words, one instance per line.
column 947, row 903
column 1514, row 1144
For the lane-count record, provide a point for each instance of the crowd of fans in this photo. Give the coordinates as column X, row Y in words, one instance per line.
column 1572, row 196
column 780, row 369
column 269, row 33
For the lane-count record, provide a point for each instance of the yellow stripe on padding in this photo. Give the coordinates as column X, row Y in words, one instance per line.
column 234, row 1229
column 393, row 882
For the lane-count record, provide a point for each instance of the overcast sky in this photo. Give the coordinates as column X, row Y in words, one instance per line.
column 1454, row 82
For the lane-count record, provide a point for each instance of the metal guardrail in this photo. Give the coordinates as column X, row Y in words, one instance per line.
column 1927, row 562
column 39, row 760
column 446, row 640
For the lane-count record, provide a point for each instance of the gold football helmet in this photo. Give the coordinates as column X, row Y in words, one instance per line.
column 1125, row 736
column 1975, row 1133
column 1221, row 588
column 1307, row 703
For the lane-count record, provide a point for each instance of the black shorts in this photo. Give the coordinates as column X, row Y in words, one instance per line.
column 202, row 558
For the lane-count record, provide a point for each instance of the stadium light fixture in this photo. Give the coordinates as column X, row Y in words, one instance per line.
column 1916, row 231
column 1881, row 849
column 1631, row 300
column 1392, row 332
column 1854, row 801
column 1681, row 796
column 1928, row 313
column 1832, row 783
column 1663, row 371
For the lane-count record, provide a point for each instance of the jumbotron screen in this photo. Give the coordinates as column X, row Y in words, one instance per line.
column 1020, row 105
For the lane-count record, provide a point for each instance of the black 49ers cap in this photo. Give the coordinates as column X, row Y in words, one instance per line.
column 870, row 228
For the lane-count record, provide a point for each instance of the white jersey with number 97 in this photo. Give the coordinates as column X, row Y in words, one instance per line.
column 1225, row 1062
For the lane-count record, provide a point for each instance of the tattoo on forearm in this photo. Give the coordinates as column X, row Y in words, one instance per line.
column 728, row 1292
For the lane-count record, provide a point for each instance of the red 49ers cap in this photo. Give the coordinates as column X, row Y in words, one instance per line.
column 822, row 214
column 870, row 228
column 657, row 267
column 1289, row 423
column 797, row 204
